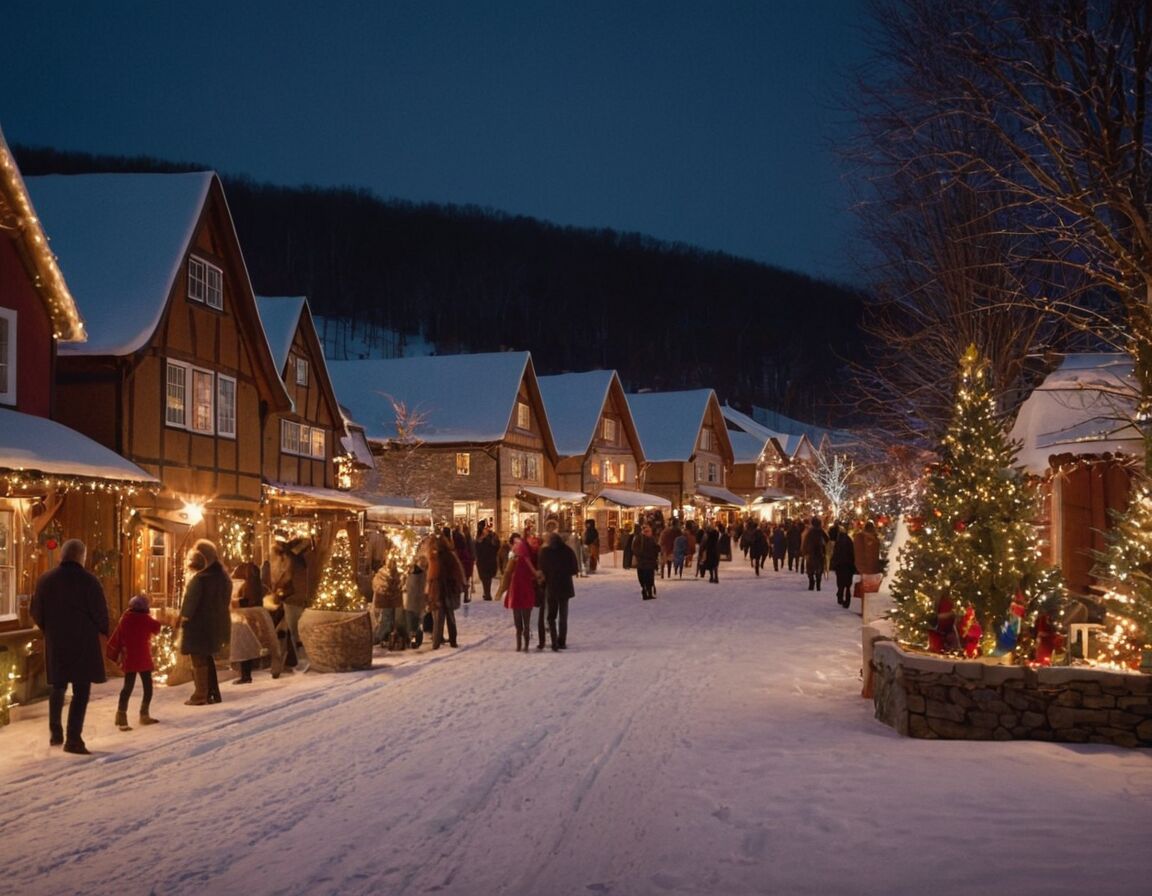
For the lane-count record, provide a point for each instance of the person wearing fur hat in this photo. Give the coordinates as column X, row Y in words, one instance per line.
column 131, row 647
column 204, row 620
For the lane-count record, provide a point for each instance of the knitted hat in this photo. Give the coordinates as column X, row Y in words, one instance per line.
column 139, row 603
column 205, row 547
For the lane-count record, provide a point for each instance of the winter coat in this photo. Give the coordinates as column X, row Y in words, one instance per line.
column 131, row 643
column 779, row 543
column 445, row 577
column 207, row 624
column 812, row 547
column 251, row 593
column 384, row 598
column 680, row 548
column 710, row 550
column 690, row 551
column 645, row 552
column 843, row 555
column 559, row 564
column 758, row 546
column 668, row 542
column 487, row 550
column 463, row 545
column 591, row 536
column 415, row 588
column 288, row 573
column 521, row 594
column 627, row 549
column 795, row 537
column 867, row 546
column 69, row 607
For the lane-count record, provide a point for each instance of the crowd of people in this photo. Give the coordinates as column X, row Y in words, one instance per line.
column 254, row 612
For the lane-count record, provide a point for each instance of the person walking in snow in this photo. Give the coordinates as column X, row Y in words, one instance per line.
column 795, row 536
column 668, row 538
column 679, row 552
column 445, row 586
column 646, row 557
column 559, row 566
column 205, row 624
column 842, row 563
column 415, row 600
column 779, row 547
column 68, row 606
column 758, row 548
column 592, row 544
column 812, row 550
column 487, row 549
column 520, row 591
column 130, row 647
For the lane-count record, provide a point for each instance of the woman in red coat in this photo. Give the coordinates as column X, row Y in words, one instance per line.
column 521, row 596
column 131, row 646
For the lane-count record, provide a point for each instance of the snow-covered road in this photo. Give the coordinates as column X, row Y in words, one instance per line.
column 711, row 741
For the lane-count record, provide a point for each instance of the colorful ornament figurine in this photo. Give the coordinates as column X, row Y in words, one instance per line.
column 1009, row 634
column 1048, row 640
column 970, row 632
column 942, row 637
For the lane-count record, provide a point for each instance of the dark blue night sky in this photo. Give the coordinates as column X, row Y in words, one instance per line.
column 706, row 123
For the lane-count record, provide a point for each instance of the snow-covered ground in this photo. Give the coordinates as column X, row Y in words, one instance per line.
column 710, row 741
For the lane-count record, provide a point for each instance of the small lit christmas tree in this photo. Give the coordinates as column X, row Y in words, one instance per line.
column 972, row 542
column 338, row 589
column 1125, row 567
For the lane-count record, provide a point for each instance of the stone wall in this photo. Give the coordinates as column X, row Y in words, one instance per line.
column 942, row 697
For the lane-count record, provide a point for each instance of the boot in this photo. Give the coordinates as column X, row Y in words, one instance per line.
column 146, row 719
column 122, row 720
column 200, row 692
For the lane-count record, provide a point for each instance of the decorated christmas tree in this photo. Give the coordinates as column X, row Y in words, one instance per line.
column 1125, row 568
column 338, row 589
column 972, row 545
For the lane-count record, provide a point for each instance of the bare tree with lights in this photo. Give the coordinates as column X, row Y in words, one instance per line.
column 1008, row 146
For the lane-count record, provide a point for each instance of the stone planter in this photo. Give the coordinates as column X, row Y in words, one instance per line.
column 949, row 698
column 336, row 641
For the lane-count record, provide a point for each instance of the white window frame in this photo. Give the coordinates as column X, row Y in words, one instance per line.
column 301, row 371
column 523, row 415
column 226, row 406
column 8, row 357
column 176, row 394
column 463, row 463
column 203, row 404
column 609, row 433
column 289, row 436
column 318, row 442
column 713, row 473
column 205, row 283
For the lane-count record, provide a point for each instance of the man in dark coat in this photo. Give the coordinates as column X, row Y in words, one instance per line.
column 646, row 557
column 592, row 544
column 557, row 561
column 205, row 622
column 69, row 607
column 487, row 550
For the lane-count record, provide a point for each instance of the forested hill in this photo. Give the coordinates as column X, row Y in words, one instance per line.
column 665, row 316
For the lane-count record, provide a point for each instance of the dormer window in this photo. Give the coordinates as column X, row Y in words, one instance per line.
column 609, row 431
column 205, row 283
column 705, row 440
column 301, row 371
column 523, row 415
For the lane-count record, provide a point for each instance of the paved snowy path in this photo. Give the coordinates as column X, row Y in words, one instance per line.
column 711, row 741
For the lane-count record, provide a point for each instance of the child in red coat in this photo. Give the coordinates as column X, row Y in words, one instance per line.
column 131, row 646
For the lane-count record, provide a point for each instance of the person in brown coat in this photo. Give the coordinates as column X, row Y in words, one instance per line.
column 812, row 551
column 69, row 607
column 205, row 623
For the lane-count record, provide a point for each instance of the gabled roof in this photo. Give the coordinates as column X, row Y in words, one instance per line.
column 746, row 434
column 574, row 403
column 462, row 398
column 280, row 316
column 22, row 224
column 1085, row 406
column 669, row 423
column 120, row 240
column 37, row 445
column 746, row 448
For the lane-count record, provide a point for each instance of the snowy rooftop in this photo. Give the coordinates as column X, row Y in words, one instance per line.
column 746, row 448
column 120, row 240
column 574, row 402
column 280, row 316
column 463, row 398
column 788, row 443
column 1084, row 406
column 30, row 443
column 669, row 423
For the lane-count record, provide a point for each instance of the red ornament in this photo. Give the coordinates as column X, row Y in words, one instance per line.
column 915, row 523
column 882, row 520
column 959, row 525
column 51, row 544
